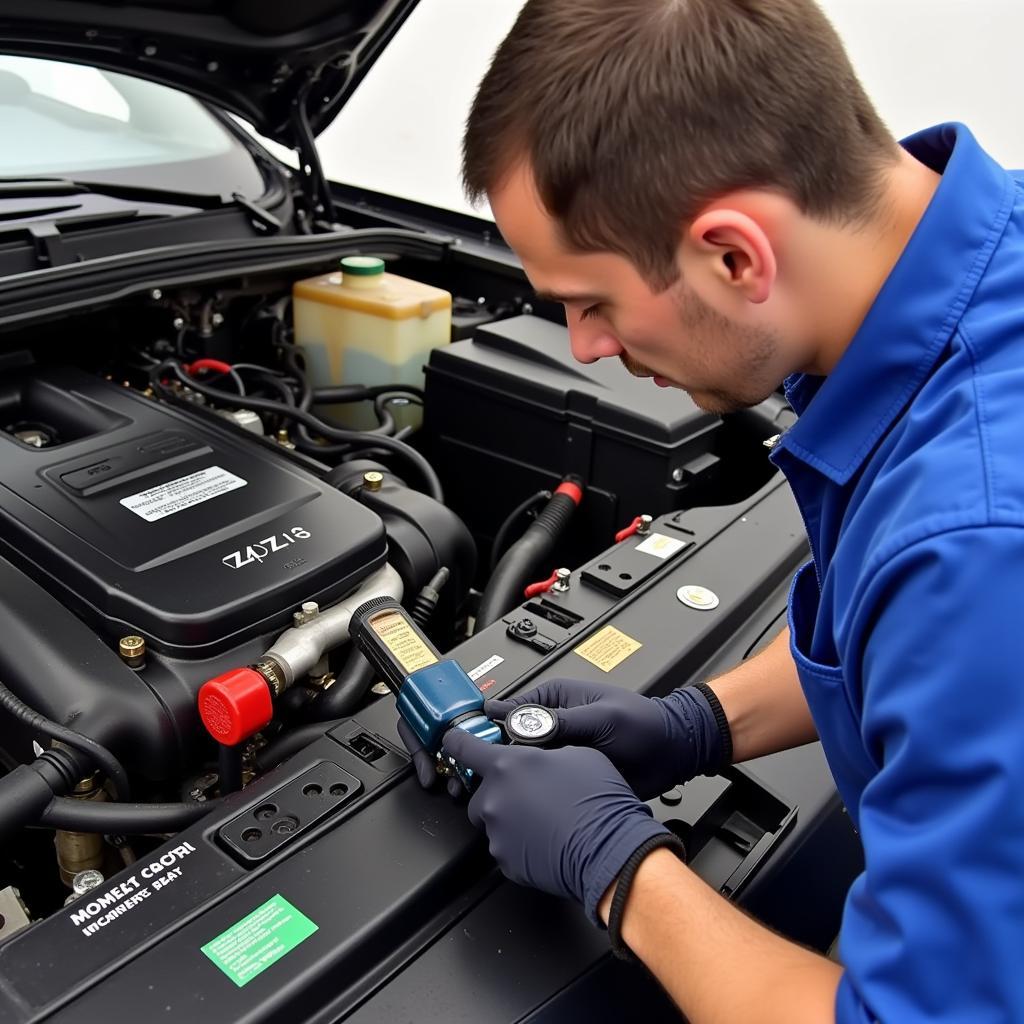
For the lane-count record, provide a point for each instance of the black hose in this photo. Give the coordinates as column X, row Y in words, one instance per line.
column 354, row 437
column 504, row 589
column 347, row 691
column 37, row 722
column 121, row 819
column 501, row 537
column 290, row 743
column 425, row 604
column 24, row 796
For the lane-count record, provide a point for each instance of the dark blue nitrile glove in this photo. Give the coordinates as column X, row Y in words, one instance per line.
column 425, row 763
column 563, row 821
column 655, row 742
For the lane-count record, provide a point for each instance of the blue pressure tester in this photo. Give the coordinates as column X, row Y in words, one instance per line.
column 433, row 694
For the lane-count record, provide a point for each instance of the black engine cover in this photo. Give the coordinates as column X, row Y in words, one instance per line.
column 143, row 519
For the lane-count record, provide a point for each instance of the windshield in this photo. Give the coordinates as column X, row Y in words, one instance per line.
column 79, row 122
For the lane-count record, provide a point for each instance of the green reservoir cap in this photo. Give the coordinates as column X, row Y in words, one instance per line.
column 362, row 266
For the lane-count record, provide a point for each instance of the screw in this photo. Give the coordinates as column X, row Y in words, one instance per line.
column 212, row 66
column 372, row 481
column 150, row 51
column 645, row 524
column 178, row 322
column 527, row 308
column 678, row 474
column 156, row 295
column 217, row 319
column 86, row 880
column 132, row 650
column 561, row 584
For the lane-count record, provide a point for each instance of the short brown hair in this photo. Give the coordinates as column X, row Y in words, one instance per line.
column 633, row 114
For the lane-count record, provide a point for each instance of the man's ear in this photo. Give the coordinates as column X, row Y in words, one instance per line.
column 741, row 255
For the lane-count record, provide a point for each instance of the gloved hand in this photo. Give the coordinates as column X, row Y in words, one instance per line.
column 563, row 821
column 426, row 765
column 655, row 742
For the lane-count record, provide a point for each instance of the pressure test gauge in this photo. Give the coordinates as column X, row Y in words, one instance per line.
column 531, row 725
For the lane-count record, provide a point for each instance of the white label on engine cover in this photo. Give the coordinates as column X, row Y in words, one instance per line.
column 493, row 662
column 178, row 495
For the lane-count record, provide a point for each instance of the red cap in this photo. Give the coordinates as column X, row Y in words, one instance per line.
column 235, row 705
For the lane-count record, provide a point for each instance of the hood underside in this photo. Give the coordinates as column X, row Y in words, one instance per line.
column 272, row 62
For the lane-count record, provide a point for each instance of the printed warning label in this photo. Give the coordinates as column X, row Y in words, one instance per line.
column 177, row 495
column 661, row 546
column 259, row 940
column 100, row 908
column 493, row 662
column 607, row 648
column 402, row 640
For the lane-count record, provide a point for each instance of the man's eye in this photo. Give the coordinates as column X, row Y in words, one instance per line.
column 590, row 311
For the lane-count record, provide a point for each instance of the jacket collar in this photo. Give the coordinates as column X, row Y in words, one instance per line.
column 843, row 416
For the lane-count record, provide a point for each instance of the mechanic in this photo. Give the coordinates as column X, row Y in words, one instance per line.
column 707, row 188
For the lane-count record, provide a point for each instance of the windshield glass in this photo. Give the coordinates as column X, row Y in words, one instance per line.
column 81, row 122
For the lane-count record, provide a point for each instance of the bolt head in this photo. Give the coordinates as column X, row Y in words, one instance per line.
column 678, row 474
column 373, row 480
column 156, row 295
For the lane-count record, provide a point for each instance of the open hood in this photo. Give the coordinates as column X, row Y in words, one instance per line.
column 286, row 66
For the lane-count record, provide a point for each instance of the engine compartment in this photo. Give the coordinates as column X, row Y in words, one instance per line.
column 174, row 506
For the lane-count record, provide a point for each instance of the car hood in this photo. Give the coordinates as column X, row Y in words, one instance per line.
column 272, row 62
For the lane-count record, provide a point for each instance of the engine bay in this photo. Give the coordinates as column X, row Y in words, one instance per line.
column 188, row 520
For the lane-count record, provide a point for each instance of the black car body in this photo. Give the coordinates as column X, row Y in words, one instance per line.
column 112, row 285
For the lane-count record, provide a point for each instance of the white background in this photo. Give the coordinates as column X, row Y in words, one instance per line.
column 923, row 61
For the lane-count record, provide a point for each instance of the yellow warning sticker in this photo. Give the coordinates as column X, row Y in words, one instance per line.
column 608, row 648
column 402, row 640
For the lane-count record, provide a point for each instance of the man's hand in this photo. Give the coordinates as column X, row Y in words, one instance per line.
column 426, row 765
column 563, row 821
column 656, row 743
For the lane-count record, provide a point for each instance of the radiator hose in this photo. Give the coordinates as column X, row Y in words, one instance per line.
column 518, row 564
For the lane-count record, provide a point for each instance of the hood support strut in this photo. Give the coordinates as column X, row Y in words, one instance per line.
column 313, row 182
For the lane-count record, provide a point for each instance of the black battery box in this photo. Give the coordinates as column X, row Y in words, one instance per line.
column 510, row 412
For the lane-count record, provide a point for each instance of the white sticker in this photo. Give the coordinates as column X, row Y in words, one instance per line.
column 186, row 491
column 661, row 546
column 492, row 662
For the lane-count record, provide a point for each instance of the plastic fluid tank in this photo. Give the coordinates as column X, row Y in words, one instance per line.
column 364, row 326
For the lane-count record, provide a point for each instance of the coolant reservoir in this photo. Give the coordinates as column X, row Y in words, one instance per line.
column 364, row 326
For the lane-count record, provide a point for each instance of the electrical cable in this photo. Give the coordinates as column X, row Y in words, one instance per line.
column 37, row 722
column 501, row 537
column 74, row 815
column 218, row 367
column 354, row 437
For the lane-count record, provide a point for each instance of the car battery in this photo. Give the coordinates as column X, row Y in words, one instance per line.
column 510, row 412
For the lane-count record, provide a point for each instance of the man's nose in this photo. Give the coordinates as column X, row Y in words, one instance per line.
column 590, row 343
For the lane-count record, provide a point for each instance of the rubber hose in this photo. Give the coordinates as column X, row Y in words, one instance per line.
column 37, row 722
column 347, row 691
column 291, row 743
column 24, row 797
column 501, row 537
column 121, row 819
column 512, row 573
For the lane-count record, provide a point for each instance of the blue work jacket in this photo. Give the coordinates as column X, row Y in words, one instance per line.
column 907, row 627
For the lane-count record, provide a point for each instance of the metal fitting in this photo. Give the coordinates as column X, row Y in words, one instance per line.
column 297, row 650
column 309, row 610
column 132, row 650
column 373, row 480
column 645, row 524
column 561, row 584
column 380, row 689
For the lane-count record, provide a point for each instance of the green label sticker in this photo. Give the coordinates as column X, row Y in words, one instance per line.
column 260, row 939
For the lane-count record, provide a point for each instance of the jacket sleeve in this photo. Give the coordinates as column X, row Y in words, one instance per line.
column 934, row 927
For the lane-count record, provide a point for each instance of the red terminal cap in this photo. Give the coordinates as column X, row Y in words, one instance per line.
column 235, row 705
column 535, row 589
column 571, row 490
column 629, row 530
